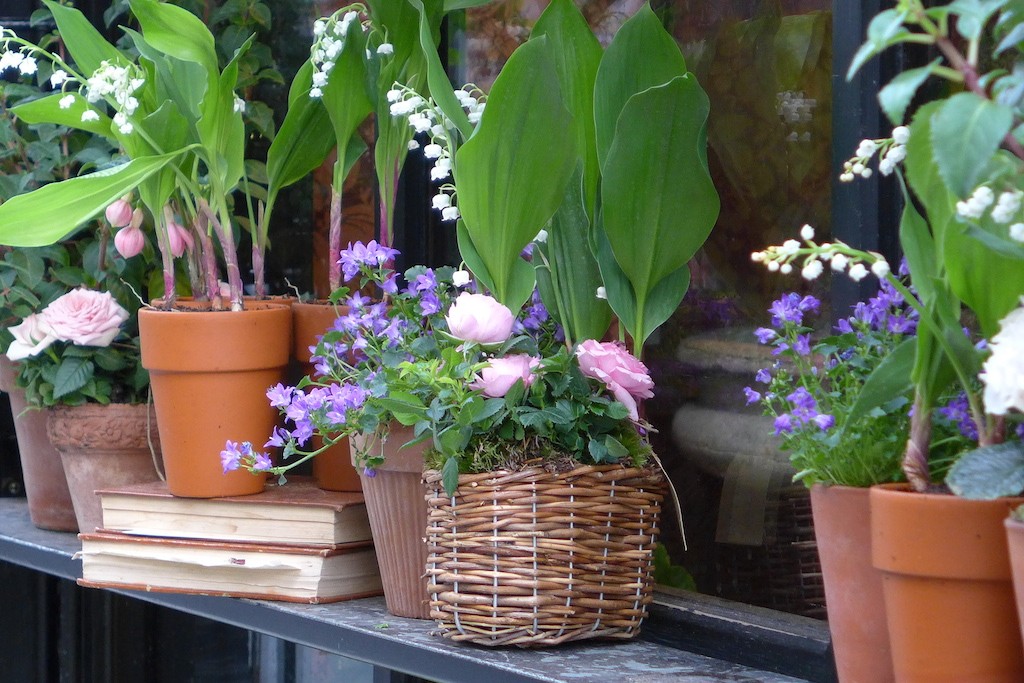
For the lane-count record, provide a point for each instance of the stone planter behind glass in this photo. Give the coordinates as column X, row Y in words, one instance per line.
column 103, row 447
column 49, row 500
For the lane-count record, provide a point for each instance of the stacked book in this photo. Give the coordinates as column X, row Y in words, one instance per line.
column 295, row 542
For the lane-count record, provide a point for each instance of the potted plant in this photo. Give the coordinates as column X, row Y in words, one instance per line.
column 960, row 164
column 187, row 170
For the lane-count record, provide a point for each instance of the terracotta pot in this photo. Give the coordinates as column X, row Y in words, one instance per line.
column 103, row 447
column 333, row 468
column 853, row 587
column 49, row 500
column 948, row 592
column 210, row 372
column 398, row 520
column 1015, row 541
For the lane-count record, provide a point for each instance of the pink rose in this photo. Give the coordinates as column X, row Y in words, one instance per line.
column 119, row 213
column 85, row 317
column 129, row 241
column 625, row 376
column 501, row 373
column 479, row 318
column 30, row 337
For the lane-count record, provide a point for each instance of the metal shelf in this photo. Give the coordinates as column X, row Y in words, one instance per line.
column 363, row 629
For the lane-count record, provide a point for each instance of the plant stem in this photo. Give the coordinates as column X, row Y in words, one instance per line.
column 334, row 240
column 915, row 460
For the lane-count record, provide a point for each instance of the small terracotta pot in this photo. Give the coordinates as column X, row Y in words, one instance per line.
column 398, row 520
column 210, row 372
column 49, row 500
column 333, row 468
column 103, row 447
column 853, row 587
column 948, row 592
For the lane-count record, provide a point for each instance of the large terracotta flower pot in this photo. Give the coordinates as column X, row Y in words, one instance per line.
column 103, row 447
column 397, row 509
column 1015, row 541
column 210, row 372
column 333, row 468
column 948, row 592
column 49, row 500
column 853, row 587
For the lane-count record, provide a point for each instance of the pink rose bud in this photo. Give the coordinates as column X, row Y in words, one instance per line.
column 119, row 213
column 625, row 376
column 85, row 317
column 178, row 238
column 129, row 241
column 501, row 373
column 479, row 318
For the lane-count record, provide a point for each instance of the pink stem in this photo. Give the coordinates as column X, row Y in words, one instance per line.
column 334, row 242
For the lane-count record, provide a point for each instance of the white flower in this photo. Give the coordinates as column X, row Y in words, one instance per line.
column 1017, row 231
column 401, row 108
column 316, row 93
column 807, row 232
column 857, row 168
column 601, row 293
column 866, row 148
column 839, row 262
column 786, row 268
column 433, row 151
column 460, row 278
column 420, row 123
column 812, row 270
column 66, row 101
column 58, row 78
column 442, row 169
column 90, row 115
column 394, row 95
column 474, row 117
column 413, row 145
column 441, row 201
column 1004, row 370
column 437, row 130
column 885, row 167
column 865, row 173
column 880, row 268
column 788, row 248
column 239, row 105
column 541, row 237
column 757, row 256
column 1007, row 206
column 900, row 135
column 385, row 49
column 450, row 213
column 319, row 27
column 847, row 177
column 319, row 79
column 857, row 272
column 10, row 60
column 896, row 154
column 773, row 266
column 28, row 66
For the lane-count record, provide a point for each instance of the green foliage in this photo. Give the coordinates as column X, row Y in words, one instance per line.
column 668, row 574
column 989, row 472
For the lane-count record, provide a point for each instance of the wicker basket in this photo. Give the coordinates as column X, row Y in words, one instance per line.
column 536, row 558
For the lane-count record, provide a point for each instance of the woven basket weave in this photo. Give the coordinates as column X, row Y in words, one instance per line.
column 536, row 558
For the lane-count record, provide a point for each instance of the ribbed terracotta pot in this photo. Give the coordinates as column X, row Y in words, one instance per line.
column 103, row 447
column 46, row 488
column 948, row 592
column 853, row 587
column 333, row 468
column 210, row 372
column 398, row 521
column 1015, row 542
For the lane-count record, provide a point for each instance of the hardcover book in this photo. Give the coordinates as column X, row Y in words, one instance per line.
column 244, row 570
column 298, row 513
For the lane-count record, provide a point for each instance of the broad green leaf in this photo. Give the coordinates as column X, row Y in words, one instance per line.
column 966, row 132
column 54, row 211
column 73, row 374
column 48, row 110
column 85, row 44
column 884, row 30
column 570, row 276
column 451, row 5
column 577, row 56
column 1004, row 247
column 895, row 97
column 620, row 293
column 663, row 301
column 924, row 179
column 892, row 378
column 182, row 82
column 450, row 475
column 656, row 180
column 989, row 472
column 513, row 172
column 177, row 32
column 344, row 97
column 972, row 15
column 642, row 55
column 919, row 249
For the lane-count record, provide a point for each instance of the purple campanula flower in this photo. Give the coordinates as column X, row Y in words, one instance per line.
column 763, row 376
column 369, row 472
column 527, row 252
column 824, row 422
column 279, row 395
column 390, row 285
column 261, row 462
column 958, row 411
column 786, row 310
column 783, row 424
column 765, row 334
column 810, row 303
column 780, row 348
column 357, row 301
column 370, row 255
column 752, row 396
column 278, row 438
column 429, row 304
column 844, row 327
column 803, row 345
column 230, row 457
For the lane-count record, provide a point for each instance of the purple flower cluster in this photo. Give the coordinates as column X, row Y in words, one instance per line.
column 533, row 317
column 958, row 412
column 804, row 412
column 887, row 311
column 359, row 257
column 790, row 308
column 236, row 455
column 424, row 286
column 325, row 407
